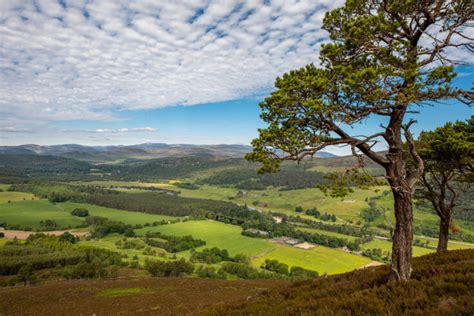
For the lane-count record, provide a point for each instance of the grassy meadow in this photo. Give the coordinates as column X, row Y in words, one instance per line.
column 24, row 211
column 386, row 246
column 132, row 218
column 6, row 197
column 225, row 236
column 319, row 258
column 327, row 233
column 216, row 234
column 31, row 213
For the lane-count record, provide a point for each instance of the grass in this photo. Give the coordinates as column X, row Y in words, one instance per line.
column 441, row 284
column 216, row 234
column 419, row 216
column 4, row 187
column 128, row 296
column 31, row 213
column 272, row 199
column 132, row 218
column 108, row 242
column 285, row 201
column 452, row 244
column 112, row 183
column 327, row 233
column 224, row 236
column 321, row 259
column 15, row 196
column 119, row 292
column 386, row 246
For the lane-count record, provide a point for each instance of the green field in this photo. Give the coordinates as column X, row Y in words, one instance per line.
column 31, row 213
column 15, row 196
column 452, row 244
column 108, row 242
column 327, row 233
column 224, row 236
column 285, row 201
column 272, row 199
column 216, row 234
column 321, row 259
column 132, row 218
column 386, row 246
column 3, row 241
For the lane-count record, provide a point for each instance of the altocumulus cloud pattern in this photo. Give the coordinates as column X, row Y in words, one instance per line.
column 65, row 60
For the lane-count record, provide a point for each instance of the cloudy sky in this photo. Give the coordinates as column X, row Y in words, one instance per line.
column 123, row 72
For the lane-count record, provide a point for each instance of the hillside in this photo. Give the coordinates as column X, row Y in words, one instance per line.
column 442, row 284
column 139, row 151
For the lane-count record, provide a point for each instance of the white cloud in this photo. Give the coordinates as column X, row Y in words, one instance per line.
column 115, row 131
column 13, row 129
column 87, row 59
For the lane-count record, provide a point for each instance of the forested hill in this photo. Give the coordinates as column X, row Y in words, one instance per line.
column 140, row 151
column 33, row 162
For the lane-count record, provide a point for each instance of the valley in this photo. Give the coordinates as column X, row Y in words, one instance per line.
column 134, row 205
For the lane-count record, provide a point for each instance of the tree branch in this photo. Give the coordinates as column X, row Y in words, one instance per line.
column 420, row 165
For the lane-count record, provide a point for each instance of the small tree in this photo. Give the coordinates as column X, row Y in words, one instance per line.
column 26, row 274
column 384, row 58
column 68, row 237
column 80, row 212
column 448, row 153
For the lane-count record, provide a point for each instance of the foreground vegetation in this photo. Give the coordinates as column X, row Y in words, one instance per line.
column 442, row 284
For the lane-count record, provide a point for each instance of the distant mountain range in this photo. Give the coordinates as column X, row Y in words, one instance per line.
column 140, row 151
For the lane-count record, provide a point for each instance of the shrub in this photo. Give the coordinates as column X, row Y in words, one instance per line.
column 213, row 255
column 80, row 212
column 68, row 237
column 168, row 268
column 275, row 266
column 210, row 272
column 441, row 284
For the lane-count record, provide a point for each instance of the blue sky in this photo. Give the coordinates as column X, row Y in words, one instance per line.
column 127, row 72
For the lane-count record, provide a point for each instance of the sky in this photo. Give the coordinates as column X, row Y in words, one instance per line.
column 127, row 72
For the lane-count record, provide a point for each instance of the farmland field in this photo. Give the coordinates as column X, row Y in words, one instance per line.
column 452, row 245
column 15, row 196
column 4, row 187
column 108, row 243
column 3, row 241
column 274, row 199
column 286, row 201
column 216, row 234
column 132, row 218
column 387, row 246
column 321, row 259
column 224, row 236
column 31, row 213
column 327, row 233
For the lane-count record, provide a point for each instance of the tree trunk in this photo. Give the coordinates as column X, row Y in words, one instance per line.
column 443, row 234
column 403, row 235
